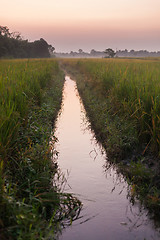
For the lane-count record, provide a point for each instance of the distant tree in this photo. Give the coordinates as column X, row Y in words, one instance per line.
column 12, row 45
column 80, row 51
column 110, row 52
column 51, row 49
column 132, row 52
column 4, row 31
column 16, row 35
column 93, row 52
column 72, row 53
column 40, row 48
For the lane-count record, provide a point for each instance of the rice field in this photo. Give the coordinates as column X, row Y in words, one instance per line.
column 122, row 101
column 32, row 204
column 22, row 83
column 121, row 97
column 132, row 88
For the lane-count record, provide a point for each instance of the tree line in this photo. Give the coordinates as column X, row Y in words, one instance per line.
column 12, row 45
column 109, row 53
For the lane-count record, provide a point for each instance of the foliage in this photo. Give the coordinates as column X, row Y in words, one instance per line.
column 13, row 46
column 110, row 52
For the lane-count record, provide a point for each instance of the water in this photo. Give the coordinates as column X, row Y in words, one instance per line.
column 107, row 213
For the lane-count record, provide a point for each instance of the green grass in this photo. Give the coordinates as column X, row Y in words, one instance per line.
column 122, row 100
column 131, row 86
column 32, row 204
column 21, row 84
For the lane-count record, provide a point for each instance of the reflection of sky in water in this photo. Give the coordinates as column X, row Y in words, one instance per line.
column 106, row 213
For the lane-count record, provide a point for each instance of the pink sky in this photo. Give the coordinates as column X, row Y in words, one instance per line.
column 87, row 24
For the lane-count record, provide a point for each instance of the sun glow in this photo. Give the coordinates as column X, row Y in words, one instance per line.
column 101, row 22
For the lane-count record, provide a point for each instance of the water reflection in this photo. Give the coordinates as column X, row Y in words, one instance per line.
column 107, row 212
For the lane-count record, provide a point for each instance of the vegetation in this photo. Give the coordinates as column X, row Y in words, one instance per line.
column 121, row 98
column 32, row 205
column 110, row 52
column 12, row 45
column 101, row 54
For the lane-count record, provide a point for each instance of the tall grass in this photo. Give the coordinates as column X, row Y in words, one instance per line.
column 21, row 84
column 133, row 87
column 32, row 205
column 121, row 98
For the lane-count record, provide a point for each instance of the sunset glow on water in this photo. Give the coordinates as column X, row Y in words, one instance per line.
column 107, row 212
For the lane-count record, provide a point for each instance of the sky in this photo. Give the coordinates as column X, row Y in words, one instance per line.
column 70, row 25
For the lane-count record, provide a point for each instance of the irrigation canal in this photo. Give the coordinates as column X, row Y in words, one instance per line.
column 107, row 213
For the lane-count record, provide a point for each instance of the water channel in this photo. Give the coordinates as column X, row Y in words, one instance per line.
column 107, row 212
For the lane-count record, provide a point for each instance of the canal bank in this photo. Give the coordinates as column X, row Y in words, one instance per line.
column 107, row 211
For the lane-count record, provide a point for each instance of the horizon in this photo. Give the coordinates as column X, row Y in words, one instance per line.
column 86, row 24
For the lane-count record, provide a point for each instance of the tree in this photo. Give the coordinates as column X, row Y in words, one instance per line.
column 80, row 51
column 4, row 31
column 40, row 48
column 93, row 52
column 13, row 45
column 51, row 49
column 110, row 52
column 16, row 35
